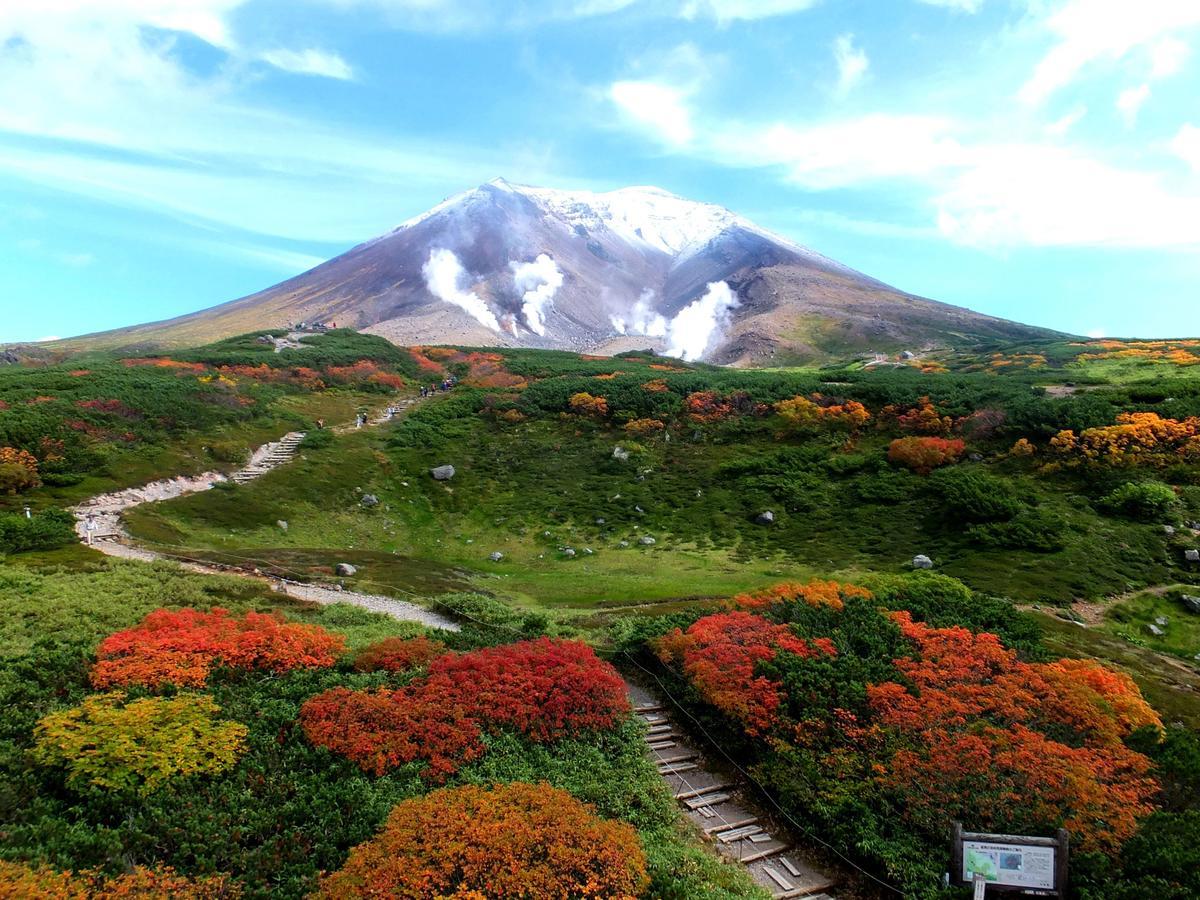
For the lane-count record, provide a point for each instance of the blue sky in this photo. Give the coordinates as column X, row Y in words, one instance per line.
column 1033, row 159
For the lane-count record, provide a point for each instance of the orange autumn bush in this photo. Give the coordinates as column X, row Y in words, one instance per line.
column 644, row 427
column 506, row 841
column 1138, row 438
column 18, row 471
column 817, row 411
column 1013, row 746
column 397, row 654
column 584, row 404
column 182, row 646
column 924, row 454
column 813, row 593
column 718, row 655
column 19, row 881
column 923, row 418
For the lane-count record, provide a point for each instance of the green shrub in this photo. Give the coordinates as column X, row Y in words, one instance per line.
column 1031, row 529
column 1146, row 501
column 968, row 494
column 317, row 439
column 46, row 530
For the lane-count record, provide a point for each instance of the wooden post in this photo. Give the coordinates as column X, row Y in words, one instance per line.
column 956, row 852
column 1060, row 862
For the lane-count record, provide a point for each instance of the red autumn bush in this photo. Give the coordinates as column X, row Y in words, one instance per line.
column 545, row 689
column 813, row 593
column 718, row 654
column 924, row 454
column 644, row 427
column 922, row 418
column 707, row 407
column 1011, row 745
column 381, row 730
column 397, row 654
column 181, row 647
column 514, row 840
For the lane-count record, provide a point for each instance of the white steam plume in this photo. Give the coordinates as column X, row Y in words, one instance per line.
column 443, row 273
column 642, row 319
column 538, row 282
column 695, row 326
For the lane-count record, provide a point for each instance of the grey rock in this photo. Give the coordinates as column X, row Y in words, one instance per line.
column 921, row 561
column 1155, row 630
column 283, row 525
column 623, row 544
column 496, row 556
column 1162, row 621
column 766, row 517
column 345, row 569
column 442, row 473
column 1190, row 603
column 568, row 552
column 646, row 541
column 1191, row 555
column 600, row 521
column 369, row 500
column 621, row 453
column 1168, row 530
column 976, row 457
column 638, row 509
column 587, row 550
column 907, row 354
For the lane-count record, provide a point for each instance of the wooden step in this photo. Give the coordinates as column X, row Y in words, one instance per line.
column 713, row 829
column 705, row 800
column 712, row 788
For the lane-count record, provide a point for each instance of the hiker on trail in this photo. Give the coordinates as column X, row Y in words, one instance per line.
column 320, row 424
column 89, row 526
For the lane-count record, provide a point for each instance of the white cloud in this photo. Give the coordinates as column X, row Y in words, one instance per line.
column 967, row 6
column 1087, row 31
column 1130, row 100
column 852, row 63
column 1168, row 57
column 1186, row 145
column 658, row 108
column 1028, row 194
column 1059, row 127
column 1096, row 333
column 733, row 10
column 842, row 152
column 309, row 62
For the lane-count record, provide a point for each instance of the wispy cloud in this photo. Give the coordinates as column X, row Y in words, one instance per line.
column 660, row 109
column 967, row 6
column 1130, row 101
column 309, row 62
column 852, row 63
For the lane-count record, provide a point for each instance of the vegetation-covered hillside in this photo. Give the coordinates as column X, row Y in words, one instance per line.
column 748, row 538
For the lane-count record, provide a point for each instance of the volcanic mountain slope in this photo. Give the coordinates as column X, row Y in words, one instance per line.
column 521, row 266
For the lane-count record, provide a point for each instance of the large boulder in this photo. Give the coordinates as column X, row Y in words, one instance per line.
column 369, row 500
column 345, row 569
column 1191, row 555
column 766, row 517
column 1190, row 603
column 646, row 541
column 621, row 453
column 442, row 473
column 921, row 561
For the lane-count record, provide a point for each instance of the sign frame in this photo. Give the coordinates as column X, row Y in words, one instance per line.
column 1060, row 843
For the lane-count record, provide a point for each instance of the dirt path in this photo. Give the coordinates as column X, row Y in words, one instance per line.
column 101, row 518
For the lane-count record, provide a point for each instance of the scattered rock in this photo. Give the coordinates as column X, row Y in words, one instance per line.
column 283, row 525
column 921, row 561
column 621, row 453
column 646, row 541
column 1168, row 530
column 442, row 473
column 1155, row 630
column 1191, row 555
column 1162, row 621
column 496, row 556
column 1190, row 603
column 976, row 457
column 622, row 544
column 345, row 569
column 587, row 550
column 600, row 521
column 638, row 509
column 766, row 517
column 369, row 500
column 568, row 552
column 907, row 354
column 546, row 534
column 338, row 587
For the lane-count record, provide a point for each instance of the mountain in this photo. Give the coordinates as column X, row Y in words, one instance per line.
column 511, row 265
